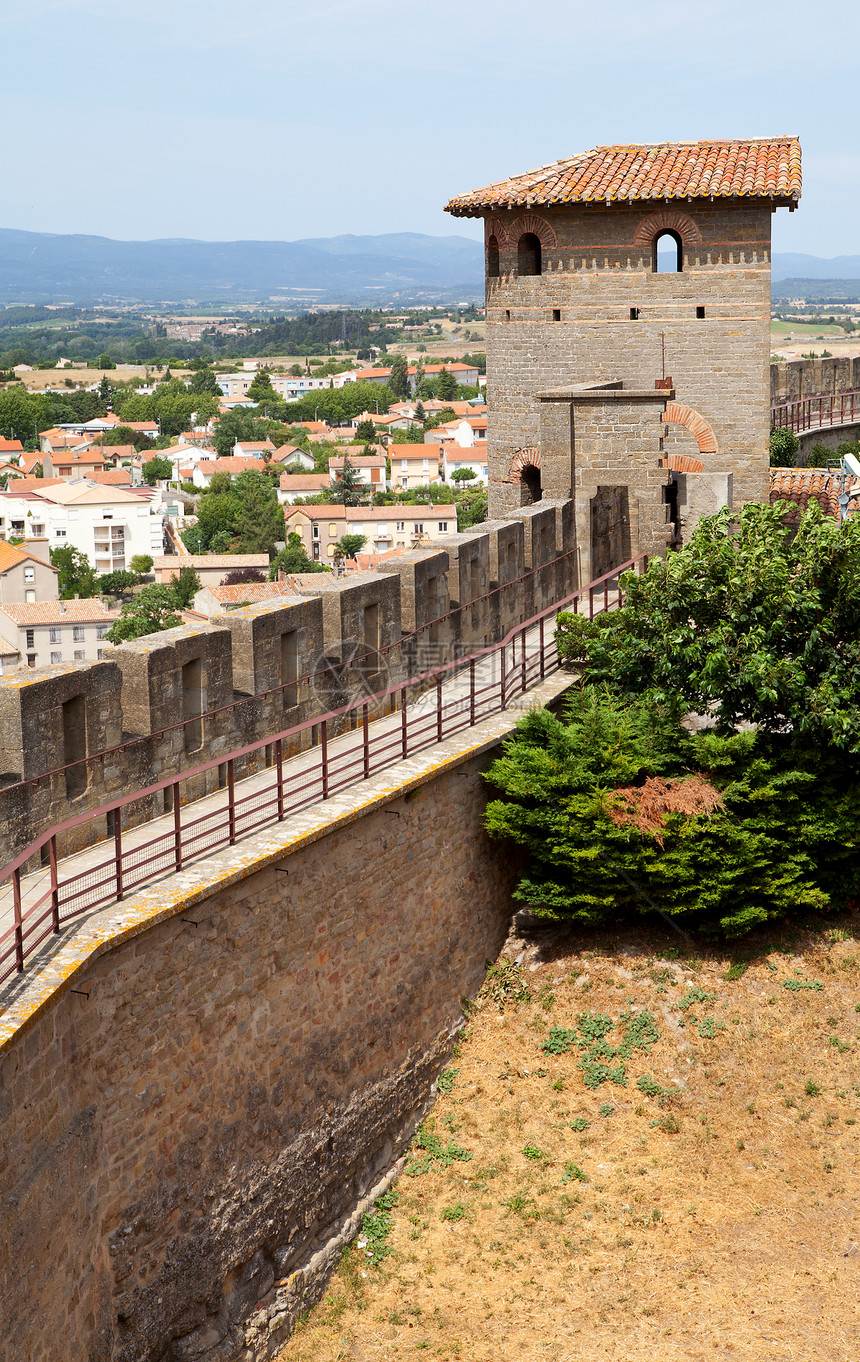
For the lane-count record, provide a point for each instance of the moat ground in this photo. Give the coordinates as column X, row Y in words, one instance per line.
column 709, row 1211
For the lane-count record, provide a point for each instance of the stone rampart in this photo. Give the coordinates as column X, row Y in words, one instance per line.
column 794, row 379
column 201, row 1085
column 167, row 701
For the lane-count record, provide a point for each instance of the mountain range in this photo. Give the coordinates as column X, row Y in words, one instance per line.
column 398, row 267
column 406, row 267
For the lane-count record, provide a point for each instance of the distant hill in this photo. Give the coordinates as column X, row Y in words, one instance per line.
column 398, row 267
column 405, row 267
column 814, row 267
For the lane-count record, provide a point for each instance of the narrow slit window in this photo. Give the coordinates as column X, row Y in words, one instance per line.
column 634, row 314
column 556, row 314
column 492, row 258
column 700, row 313
column 507, row 314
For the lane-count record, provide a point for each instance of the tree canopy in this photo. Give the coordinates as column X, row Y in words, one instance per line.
column 152, row 610
column 752, row 621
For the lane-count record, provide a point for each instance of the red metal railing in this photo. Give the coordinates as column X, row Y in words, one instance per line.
column 386, row 657
column 489, row 680
column 816, row 413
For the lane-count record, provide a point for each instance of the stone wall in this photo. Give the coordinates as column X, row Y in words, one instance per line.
column 797, row 378
column 201, row 1087
column 351, row 635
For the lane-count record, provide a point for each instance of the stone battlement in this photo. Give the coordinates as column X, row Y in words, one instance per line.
column 74, row 737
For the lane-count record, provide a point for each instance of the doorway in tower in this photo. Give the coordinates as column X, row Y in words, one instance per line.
column 610, row 529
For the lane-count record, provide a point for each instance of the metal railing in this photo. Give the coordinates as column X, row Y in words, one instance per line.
column 387, row 657
column 816, row 413
column 488, row 681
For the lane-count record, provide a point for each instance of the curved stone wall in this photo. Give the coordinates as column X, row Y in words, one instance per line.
column 199, row 1088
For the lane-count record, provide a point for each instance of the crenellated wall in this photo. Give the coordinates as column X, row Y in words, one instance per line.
column 171, row 700
column 794, row 379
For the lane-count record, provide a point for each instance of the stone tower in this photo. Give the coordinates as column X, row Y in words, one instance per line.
column 628, row 327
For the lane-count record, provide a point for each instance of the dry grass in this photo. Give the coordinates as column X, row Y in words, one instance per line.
column 715, row 1218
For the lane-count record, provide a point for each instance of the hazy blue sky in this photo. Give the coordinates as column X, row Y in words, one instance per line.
column 278, row 119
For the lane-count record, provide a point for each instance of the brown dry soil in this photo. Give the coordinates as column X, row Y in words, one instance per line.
column 709, row 1212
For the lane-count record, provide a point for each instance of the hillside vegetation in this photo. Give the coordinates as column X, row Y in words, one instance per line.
column 638, row 1150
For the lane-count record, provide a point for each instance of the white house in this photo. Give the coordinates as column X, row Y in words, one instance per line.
column 110, row 525
column 454, row 456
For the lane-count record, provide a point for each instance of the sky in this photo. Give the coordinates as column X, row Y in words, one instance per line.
column 280, row 120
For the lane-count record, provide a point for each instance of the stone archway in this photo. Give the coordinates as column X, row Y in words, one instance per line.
column 525, row 470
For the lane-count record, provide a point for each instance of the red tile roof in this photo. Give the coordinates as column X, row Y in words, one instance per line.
column 767, row 167
column 57, row 612
column 11, row 556
column 802, row 485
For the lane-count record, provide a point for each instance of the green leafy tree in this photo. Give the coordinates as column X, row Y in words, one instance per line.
column 156, row 469
column 184, row 586
column 238, row 425
column 75, row 577
column 205, row 380
column 141, row 564
column 105, row 362
column 621, row 810
column 116, row 583
column 398, row 381
column 751, row 622
column 784, row 445
column 365, row 430
column 293, row 558
column 261, row 389
column 463, row 475
column 124, row 435
column 446, row 386
column 347, row 487
column 260, row 519
column 152, row 610
column 349, row 545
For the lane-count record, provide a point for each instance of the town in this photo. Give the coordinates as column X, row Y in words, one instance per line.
column 111, row 527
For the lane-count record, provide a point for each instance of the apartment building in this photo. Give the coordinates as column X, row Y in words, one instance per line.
column 110, row 525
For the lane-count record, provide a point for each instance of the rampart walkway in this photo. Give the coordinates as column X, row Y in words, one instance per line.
column 821, row 412
column 389, row 727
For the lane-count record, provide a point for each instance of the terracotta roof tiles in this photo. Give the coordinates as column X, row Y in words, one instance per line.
column 803, row 485
column 767, row 167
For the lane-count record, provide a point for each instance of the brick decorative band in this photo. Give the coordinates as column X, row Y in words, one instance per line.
column 530, row 222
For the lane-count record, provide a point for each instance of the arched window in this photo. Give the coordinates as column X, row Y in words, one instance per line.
column 528, row 254
column 492, row 258
column 668, row 253
column 530, row 479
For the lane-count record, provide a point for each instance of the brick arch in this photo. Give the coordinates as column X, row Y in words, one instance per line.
column 497, row 229
column 530, row 222
column 527, row 457
column 669, row 219
column 698, row 427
